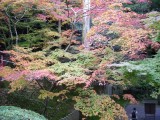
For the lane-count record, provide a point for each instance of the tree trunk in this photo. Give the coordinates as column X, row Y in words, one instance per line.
column 70, row 37
column 4, row 37
column 46, row 105
column 10, row 30
column 59, row 26
column 86, row 22
column 15, row 29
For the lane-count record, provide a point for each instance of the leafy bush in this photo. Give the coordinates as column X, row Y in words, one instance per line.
column 156, row 26
column 144, row 72
column 11, row 113
column 101, row 107
column 157, row 37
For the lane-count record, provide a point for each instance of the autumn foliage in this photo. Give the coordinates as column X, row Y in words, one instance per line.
column 49, row 66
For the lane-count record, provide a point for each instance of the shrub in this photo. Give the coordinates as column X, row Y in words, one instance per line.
column 140, row 73
column 15, row 113
column 101, row 107
column 156, row 26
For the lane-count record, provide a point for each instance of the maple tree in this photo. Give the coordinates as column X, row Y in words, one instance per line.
column 52, row 66
column 93, row 106
column 15, row 11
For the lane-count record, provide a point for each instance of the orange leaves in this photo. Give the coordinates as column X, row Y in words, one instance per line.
column 24, row 60
column 119, row 17
column 132, row 36
column 130, row 98
column 66, row 33
column 116, row 96
column 40, row 75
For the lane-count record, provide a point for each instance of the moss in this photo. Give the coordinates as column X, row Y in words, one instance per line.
column 157, row 39
column 156, row 25
column 87, row 60
column 66, row 70
column 60, row 53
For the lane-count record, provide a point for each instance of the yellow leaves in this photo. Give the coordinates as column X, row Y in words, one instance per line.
column 25, row 59
column 129, row 37
column 35, row 65
column 98, row 2
column 49, row 33
column 52, row 33
column 5, row 71
column 103, row 106
column 44, row 94
column 116, row 6
column 44, row 4
column 19, row 84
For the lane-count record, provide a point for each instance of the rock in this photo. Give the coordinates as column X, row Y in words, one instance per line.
column 64, row 46
column 104, row 33
column 109, row 34
column 88, row 72
column 112, row 35
column 73, row 51
column 36, row 49
column 100, row 55
column 64, row 59
column 99, row 44
column 109, row 23
column 93, row 68
column 50, row 63
column 54, row 47
column 117, row 48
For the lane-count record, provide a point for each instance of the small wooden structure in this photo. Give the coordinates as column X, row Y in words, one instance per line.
column 3, row 57
column 150, row 109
